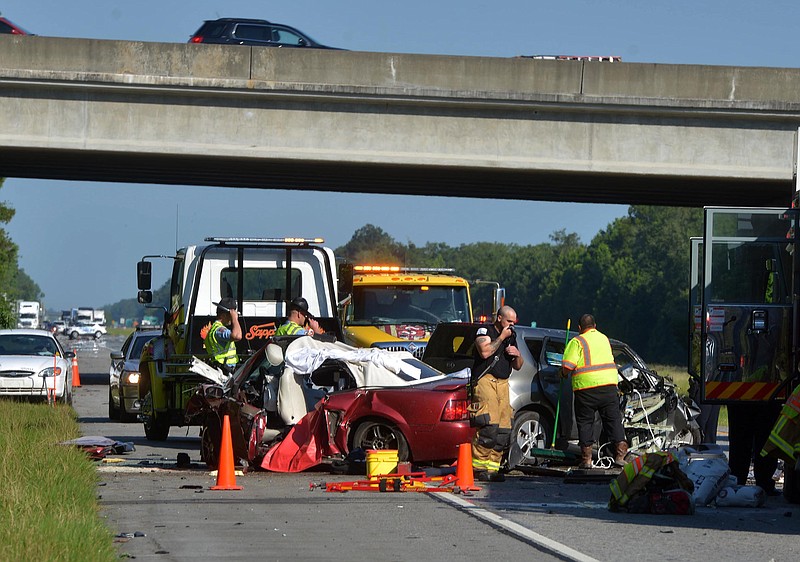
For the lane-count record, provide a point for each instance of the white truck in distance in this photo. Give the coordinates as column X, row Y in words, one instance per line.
column 28, row 314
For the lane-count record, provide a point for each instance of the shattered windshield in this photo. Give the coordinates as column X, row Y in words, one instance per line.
column 379, row 305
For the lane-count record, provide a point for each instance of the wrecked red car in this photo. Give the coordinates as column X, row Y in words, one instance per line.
column 309, row 399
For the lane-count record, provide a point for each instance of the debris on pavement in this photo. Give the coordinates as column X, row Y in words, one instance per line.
column 98, row 447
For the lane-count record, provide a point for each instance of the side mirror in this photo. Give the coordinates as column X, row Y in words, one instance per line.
column 144, row 273
column 499, row 299
column 144, row 297
column 345, row 280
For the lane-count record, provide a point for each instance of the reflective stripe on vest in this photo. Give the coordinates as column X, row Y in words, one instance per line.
column 288, row 329
column 598, row 368
column 224, row 355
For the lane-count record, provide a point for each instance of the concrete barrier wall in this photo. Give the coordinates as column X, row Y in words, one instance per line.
column 423, row 75
column 546, row 123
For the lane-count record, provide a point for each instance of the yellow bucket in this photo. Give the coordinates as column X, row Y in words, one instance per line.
column 381, row 462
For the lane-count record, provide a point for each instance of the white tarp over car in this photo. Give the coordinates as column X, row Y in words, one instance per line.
column 371, row 367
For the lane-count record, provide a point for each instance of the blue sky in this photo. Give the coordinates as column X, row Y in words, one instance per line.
column 80, row 240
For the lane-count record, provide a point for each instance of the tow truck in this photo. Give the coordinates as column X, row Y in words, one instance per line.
column 262, row 274
column 744, row 343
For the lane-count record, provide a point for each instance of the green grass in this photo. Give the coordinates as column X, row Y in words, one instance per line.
column 680, row 377
column 48, row 507
column 118, row 331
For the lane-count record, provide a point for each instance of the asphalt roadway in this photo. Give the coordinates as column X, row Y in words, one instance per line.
column 162, row 512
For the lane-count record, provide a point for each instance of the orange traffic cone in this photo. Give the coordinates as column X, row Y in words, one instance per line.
column 464, row 476
column 226, row 477
column 76, row 375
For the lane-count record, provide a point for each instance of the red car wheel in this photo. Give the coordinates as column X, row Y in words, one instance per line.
column 375, row 435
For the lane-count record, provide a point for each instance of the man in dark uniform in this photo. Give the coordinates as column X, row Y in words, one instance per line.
column 496, row 354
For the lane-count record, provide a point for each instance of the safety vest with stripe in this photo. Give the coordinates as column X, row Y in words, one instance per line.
column 289, row 329
column 591, row 361
column 221, row 353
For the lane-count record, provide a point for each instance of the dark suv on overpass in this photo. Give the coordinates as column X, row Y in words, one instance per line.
column 238, row 31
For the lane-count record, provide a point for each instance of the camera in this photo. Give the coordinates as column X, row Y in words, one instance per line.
column 512, row 340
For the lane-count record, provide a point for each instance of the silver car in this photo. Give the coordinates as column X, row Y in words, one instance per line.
column 654, row 416
column 33, row 365
column 123, row 377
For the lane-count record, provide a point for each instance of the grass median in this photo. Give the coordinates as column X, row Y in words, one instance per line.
column 48, row 492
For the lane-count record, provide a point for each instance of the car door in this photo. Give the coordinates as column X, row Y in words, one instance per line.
column 550, row 352
column 287, row 38
column 117, row 362
column 254, row 34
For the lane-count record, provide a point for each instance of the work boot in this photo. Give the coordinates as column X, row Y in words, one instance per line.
column 621, row 449
column 586, row 457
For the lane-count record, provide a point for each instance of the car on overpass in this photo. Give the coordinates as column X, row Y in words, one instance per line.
column 7, row 26
column 253, row 32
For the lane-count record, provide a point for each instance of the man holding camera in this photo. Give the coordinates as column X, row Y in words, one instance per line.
column 496, row 354
column 589, row 361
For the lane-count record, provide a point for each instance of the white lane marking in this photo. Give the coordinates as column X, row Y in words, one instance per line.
column 515, row 529
column 538, row 505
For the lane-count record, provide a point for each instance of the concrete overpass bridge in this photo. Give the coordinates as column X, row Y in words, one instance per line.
column 397, row 123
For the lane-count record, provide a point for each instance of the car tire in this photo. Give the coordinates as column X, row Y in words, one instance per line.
column 113, row 411
column 791, row 483
column 155, row 428
column 530, row 430
column 209, row 445
column 378, row 435
column 98, row 335
column 73, row 335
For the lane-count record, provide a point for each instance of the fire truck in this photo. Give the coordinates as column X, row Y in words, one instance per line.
column 744, row 297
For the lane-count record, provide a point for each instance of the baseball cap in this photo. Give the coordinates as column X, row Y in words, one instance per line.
column 301, row 304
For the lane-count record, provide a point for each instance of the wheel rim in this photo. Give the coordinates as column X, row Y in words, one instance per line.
column 528, row 435
column 379, row 437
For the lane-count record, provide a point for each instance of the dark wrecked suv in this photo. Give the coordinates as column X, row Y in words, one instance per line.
column 654, row 416
column 253, row 32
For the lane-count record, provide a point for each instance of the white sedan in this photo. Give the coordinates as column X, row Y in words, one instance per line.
column 85, row 329
column 34, row 365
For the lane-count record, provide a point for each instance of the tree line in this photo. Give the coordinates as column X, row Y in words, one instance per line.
column 633, row 275
column 16, row 284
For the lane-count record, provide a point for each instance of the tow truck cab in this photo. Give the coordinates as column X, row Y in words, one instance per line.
column 261, row 274
column 397, row 308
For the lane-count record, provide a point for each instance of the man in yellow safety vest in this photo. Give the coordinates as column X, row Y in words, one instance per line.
column 220, row 340
column 589, row 361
